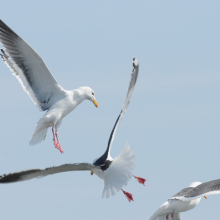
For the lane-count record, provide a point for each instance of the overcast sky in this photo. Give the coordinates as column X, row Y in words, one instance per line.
column 172, row 123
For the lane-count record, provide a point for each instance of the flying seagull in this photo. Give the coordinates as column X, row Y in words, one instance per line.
column 37, row 81
column 115, row 172
column 185, row 200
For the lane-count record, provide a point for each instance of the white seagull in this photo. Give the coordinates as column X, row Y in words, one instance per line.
column 185, row 200
column 37, row 81
column 115, row 172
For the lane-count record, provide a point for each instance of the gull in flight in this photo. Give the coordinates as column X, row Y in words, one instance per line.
column 115, row 172
column 37, row 81
column 188, row 198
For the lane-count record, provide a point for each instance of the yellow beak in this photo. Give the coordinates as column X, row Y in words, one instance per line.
column 205, row 197
column 91, row 173
column 95, row 103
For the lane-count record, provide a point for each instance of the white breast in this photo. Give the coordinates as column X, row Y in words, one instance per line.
column 182, row 206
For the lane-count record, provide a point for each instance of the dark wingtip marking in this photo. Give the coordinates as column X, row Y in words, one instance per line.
column 7, row 29
column 106, row 165
column 101, row 160
column 14, row 177
column 9, row 178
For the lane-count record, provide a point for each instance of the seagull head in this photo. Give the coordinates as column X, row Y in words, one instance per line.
column 89, row 94
column 194, row 184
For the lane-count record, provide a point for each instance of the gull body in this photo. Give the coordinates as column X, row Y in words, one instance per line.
column 187, row 199
column 37, row 81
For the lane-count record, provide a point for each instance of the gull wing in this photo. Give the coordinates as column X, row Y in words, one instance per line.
column 131, row 86
column 204, row 189
column 30, row 69
column 34, row 173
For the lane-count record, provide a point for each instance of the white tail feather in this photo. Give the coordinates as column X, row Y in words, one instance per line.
column 38, row 136
column 119, row 172
column 39, row 133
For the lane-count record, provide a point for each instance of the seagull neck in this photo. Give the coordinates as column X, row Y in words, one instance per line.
column 78, row 96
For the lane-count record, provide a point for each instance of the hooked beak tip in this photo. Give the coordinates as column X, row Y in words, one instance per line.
column 95, row 103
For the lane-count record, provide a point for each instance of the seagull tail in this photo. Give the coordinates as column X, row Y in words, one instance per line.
column 39, row 133
column 119, row 172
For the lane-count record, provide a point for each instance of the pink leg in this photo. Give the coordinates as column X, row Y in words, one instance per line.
column 56, row 145
column 167, row 217
column 128, row 195
column 140, row 180
column 60, row 148
column 54, row 138
column 172, row 216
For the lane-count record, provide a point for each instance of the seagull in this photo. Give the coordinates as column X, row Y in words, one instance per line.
column 41, row 86
column 115, row 172
column 185, row 200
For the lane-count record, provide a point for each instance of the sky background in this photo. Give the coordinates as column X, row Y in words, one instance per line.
column 172, row 123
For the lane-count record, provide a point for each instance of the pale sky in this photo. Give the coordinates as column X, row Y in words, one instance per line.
column 172, row 123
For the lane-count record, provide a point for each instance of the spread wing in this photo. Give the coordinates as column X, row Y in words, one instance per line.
column 131, row 86
column 34, row 173
column 204, row 189
column 29, row 68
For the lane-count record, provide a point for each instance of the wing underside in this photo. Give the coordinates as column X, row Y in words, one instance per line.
column 131, row 86
column 36, row 173
column 29, row 68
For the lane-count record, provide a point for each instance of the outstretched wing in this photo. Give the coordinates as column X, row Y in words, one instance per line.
column 204, row 189
column 34, row 173
column 29, row 68
column 131, row 86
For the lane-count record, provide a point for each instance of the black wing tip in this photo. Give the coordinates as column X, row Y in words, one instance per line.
column 15, row 177
column 4, row 27
column 9, row 178
column 135, row 62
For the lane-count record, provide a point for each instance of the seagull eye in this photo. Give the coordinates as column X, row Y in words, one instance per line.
column 93, row 93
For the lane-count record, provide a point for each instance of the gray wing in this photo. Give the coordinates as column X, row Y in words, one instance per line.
column 204, row 189
column 29, row 68
column 131, row 86
column 183, row 192
column 34, row 173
